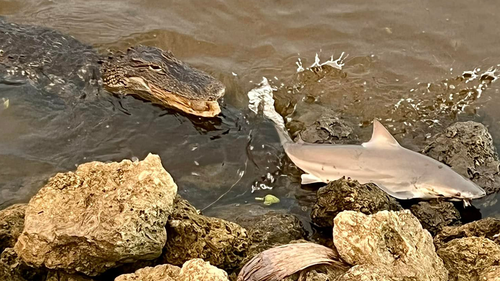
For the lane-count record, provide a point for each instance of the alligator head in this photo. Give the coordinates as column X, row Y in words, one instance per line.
column 157, row 76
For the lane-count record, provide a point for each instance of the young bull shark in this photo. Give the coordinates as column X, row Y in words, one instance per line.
column 400, row 172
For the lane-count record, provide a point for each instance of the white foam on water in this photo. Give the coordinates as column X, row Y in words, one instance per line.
column 335, row 63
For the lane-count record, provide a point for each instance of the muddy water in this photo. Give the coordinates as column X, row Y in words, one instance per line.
column 403, row 64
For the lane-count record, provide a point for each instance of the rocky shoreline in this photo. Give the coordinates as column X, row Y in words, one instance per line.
column 125, row 221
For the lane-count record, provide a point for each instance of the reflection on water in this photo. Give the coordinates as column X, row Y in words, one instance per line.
column 405, row 67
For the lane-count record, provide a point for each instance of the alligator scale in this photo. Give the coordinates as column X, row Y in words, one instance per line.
column 51, row 59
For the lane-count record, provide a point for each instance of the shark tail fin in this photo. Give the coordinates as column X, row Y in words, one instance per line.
column 277, row 263
column 283, row 134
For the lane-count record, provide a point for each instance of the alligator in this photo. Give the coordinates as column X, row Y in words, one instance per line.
column 51, row 60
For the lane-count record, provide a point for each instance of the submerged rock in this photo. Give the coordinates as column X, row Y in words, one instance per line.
column 98, row 217
column 468, row 148
column 329, row 130
column 434, row 215
column 192, row 235
column 11, row 225
column 193, row 270
column 467, row 258
column 345, row 194
column 395, row 240
column 487, row 228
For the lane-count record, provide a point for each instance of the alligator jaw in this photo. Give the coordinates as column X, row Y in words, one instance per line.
column 195, row 107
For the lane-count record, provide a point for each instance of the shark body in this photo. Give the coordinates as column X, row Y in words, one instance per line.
column 400, row 172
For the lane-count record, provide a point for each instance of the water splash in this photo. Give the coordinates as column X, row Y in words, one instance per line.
column 335, row 63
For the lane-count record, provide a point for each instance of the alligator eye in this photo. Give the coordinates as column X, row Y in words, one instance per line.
column 155, row 67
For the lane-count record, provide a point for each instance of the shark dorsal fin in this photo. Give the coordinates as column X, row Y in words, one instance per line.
column 381, row 136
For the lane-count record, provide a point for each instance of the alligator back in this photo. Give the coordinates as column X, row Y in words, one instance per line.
column 46, row 58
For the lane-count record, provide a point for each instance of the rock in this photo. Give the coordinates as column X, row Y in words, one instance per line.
column 436, row 214
column 345, row 194
column 466, row 258
column 192, row 235
column 488, row 228
column 63, row 276
column 468, row 148
column 11, row 225
column 372, row 273
column 392, row 239
column 271, row 229
column 329, row 130
column 6, row 274
column 490, row 274
column 20, row 268
column 192, row 270
column 98, row 217
column 163, row 272
column 199, row 270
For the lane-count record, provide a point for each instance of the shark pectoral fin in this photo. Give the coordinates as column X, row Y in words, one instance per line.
column 402, row 194
column 309, row 179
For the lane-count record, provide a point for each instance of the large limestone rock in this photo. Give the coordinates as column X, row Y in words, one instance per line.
column 191, row 235
column 199, row 270
column 434, row 215
column 467, row 258
column 192, row 270
column 99, row 216
column 490, row 274
column 163, row 272
column 11, row 225
column 468, row 148
column 394, row 240
column 372, row 273
column 488, row 228
column 345, row 194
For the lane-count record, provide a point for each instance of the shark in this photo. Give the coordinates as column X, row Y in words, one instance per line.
column 400, row 172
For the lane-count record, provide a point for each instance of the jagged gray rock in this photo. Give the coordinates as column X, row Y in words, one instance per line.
column 191, row 235
column 488, row 228
column 388, row 239
column 98, row 217
column 271, row 229
column 329, row 130
column 346, row 194
column 434, row 215
column 467, row 258
column 468, row 148
column 11, row 225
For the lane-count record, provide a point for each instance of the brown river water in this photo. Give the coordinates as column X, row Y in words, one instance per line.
column 403, row 61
